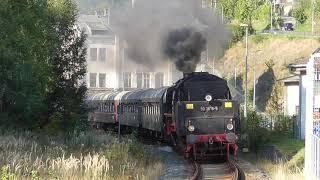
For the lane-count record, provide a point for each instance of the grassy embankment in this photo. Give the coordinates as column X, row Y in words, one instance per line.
column 263, row 48
column 291, row 164
column 88, row 156
column 291, row 167
column 283, row 51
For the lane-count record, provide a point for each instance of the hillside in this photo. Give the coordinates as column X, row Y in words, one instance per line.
column 282, row 51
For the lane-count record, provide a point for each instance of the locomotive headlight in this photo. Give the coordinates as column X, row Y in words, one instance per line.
column 230, row 126
column 208, row 97
column 191, row 128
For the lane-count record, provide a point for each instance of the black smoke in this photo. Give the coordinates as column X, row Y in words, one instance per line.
column 183, row 47
column 154, row 31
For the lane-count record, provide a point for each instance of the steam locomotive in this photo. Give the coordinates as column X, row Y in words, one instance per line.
column 197, row 114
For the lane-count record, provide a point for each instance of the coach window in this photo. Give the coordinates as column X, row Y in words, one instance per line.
column 93, row 54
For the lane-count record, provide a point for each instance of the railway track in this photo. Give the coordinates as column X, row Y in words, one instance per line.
column 227, row 170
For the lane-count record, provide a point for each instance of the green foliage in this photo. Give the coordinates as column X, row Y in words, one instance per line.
column 297, row 161
column 261, row 17
column 244, row 10
column 259, row 38
column 300, row 15
column 288, row 146
column 256, row 135
column 42, row 62
column 284, row 125
column 239, row 32
column 6, row 174
column 127, row 151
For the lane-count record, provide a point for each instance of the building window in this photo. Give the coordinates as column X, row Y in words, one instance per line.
column 139, row 80
column 93, row 79
column 93, row 54
column 102, row 54
column 159, row 80
column 127, row 80
column 146, row 80
column 204, row 57
column 102, row 80
column 99, row 32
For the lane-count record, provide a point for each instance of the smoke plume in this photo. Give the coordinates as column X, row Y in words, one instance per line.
column 175, row 30
column 184, row 47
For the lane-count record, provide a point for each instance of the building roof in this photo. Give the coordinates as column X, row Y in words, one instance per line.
column 101, row 40
column 91, row 18
column 301, row 65
column 290, row 79
column 97, row 29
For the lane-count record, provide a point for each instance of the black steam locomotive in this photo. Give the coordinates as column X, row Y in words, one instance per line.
column 196, row 114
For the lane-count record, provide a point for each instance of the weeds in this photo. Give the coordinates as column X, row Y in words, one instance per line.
column 87, row 156
column 281, row 170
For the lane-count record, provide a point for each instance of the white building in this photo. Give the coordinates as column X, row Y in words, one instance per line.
column 108, row 67
column 295, row 94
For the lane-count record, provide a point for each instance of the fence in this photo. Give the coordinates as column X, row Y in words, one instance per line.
column 312, row 153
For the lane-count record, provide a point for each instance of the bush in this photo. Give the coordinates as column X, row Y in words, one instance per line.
column 239, row 32
column 300, row 15
column 256, row 135
column 258, row 38
column 284, row 125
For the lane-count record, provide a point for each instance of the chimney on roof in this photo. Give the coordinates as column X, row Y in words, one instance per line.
column 132, row 3
column 105, row 12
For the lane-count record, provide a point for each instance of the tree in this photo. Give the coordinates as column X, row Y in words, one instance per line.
column 42, row 62
column 300, row 15
column 24, row 53
column 66, row 98
column 244, row 10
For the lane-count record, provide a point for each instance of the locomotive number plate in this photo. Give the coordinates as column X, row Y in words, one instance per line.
column 209, row 108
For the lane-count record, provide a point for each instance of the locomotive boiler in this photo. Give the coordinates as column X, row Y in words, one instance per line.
column 197, row 114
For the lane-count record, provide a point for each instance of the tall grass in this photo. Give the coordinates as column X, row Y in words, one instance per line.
column 87, row 156
column 281, row 170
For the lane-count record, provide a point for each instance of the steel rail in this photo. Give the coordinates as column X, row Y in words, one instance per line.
column 234, row 171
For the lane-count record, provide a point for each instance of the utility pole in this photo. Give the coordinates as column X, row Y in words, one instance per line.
column 246, row 72
column 254, row 84
column 271, row 18
column 312, row 17
column 235, row 77
column 132, row 3
column 222, row 18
